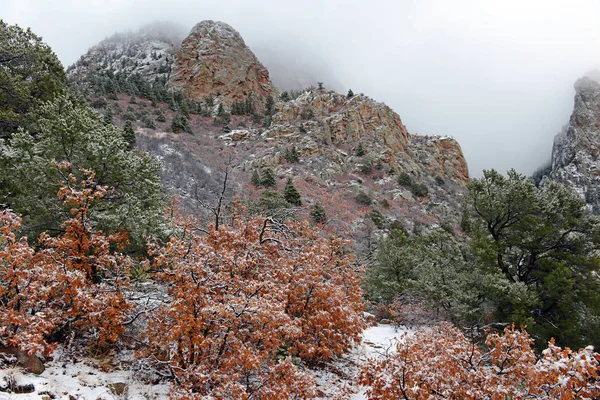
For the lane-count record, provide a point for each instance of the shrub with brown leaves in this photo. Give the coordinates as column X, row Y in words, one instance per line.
column 251, row 303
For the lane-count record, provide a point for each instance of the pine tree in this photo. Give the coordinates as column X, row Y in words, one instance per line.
column 133, row 99
column 360, row 151
column 220, row 110
column 269, row 106
column 185, row 111
column 291, row 194
column 135, row 204
column 180, row 123
column 291, row 156
column 129, row 135
column 249, row 106
column 285, row 96
column 318, row 214
column 350, row 93
column 108, row 116
column 268, row 178
column 256, row 181
column 31, row 74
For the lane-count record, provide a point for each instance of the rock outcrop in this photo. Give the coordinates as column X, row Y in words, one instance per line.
column 576, row 150
column 332, row 119
column 215, row 61
column 29, row 363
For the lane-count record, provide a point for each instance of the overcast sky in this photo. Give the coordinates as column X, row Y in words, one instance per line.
column 496, row 75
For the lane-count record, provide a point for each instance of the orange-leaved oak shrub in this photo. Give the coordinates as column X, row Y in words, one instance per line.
column 251, row 304
column 441, row 363
column 72, row 284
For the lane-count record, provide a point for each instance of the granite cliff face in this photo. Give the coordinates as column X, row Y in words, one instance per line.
column 576, row 150
column 319, row 119
column 215, row 62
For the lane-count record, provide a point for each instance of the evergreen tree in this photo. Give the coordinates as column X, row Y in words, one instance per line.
column 268, row 178
column 171, row 102
column 350, row 93
column 405, row 180
column 237, row 108
column 269, row 106
column 249, row 105
column 180, row 124
column 318, row 214
column 108, row 116
column 256, row 181
column 185, row 111
column 544, row 248
column 377, row 217
column 292, row 155
column 30, row 74
column 360, row 151
column 28, row 185
column 270, row 200
column 133, row 99
column 419, row 190
column 285, row 96
column 220, row 110
column 129, row 135
column 148, row 121
column 291, row 194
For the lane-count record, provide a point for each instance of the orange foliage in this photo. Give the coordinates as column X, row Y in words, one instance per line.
column 74, row 283
column 441, row 363
column 250, row 303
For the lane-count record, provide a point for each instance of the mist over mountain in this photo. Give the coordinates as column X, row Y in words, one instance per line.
column 496, row 76
column 296, row 67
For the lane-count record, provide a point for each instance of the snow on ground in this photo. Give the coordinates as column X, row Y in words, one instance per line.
column 80, row 381
column 84, row 381
column 337, row 379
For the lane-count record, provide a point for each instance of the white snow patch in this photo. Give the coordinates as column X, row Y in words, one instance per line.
column 377, row 341
column 80, row 381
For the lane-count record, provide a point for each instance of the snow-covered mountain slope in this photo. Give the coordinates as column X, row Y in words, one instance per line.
column 576, row 150
column 149, row 53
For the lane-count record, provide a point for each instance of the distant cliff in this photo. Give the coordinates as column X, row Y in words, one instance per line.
column 576, row 150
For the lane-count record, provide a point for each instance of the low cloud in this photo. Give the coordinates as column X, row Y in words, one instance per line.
column 498, row 76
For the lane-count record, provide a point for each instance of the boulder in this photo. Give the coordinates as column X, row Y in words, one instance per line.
column 29, row 363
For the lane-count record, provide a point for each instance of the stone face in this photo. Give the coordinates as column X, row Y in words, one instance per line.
column 576, row 150
column 215, row 61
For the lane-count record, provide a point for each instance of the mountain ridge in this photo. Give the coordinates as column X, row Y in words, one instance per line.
column 325, row 128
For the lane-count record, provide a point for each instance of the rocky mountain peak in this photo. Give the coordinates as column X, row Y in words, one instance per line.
column 147, row 53
column 214, row 61
column 576, row 150
column 217, row 33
